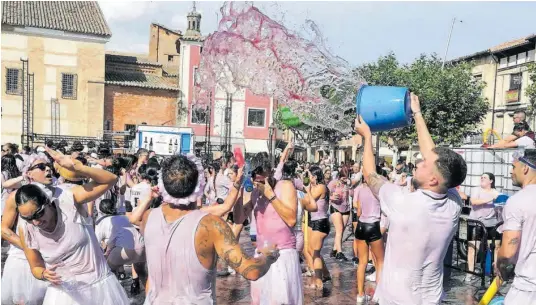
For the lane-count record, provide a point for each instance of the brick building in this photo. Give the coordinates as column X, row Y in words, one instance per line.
column 138, row 91
column 157, row 89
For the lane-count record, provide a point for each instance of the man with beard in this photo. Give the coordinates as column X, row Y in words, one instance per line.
column 18, row 284
column 422, row 223
column 519, row 233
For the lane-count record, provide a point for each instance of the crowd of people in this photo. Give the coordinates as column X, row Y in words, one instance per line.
column 74, row 221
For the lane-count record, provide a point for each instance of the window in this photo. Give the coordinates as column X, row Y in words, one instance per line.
column 515, row 81
column 13, row 81
column 256, row 117
column 197, row 77
column 69, row 86
column 199, row 115
column 170, row 58
column 132, row 129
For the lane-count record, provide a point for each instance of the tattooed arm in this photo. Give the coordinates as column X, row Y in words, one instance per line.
column 507, row 253
column 228, row 248
column 372, row 178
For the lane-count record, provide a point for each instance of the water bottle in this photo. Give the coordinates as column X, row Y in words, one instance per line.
column 248, row 184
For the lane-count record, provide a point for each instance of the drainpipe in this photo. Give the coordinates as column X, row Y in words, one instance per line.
column 496, row 60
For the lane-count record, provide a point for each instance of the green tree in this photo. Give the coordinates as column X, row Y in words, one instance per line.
column 451, row 99
column 531, row 89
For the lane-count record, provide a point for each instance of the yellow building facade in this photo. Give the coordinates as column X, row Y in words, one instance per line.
column 67, row 62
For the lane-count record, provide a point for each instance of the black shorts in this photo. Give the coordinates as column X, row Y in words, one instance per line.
column 354, row 215
column 475, row 233
column 369, row 232
column 320, row 225
column 332, row 210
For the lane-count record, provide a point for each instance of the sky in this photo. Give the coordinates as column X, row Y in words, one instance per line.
column 359, row 32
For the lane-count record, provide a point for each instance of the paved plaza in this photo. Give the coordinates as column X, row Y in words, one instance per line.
column 340, row 290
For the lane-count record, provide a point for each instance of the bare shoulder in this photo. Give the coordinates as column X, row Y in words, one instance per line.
column 217, row 229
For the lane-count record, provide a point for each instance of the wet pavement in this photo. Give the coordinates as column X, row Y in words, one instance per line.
column 340, row 290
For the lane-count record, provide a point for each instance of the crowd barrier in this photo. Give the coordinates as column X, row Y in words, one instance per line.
column 473, row 233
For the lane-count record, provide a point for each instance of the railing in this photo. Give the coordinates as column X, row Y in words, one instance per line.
column 473, row 233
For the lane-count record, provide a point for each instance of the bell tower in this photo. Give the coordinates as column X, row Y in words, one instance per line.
column 194, row 23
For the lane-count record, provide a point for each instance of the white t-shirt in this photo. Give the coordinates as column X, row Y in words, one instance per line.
column 117, row 230
column 139, row 192
column 520, row 215
column 421, row 227
column 525, row 142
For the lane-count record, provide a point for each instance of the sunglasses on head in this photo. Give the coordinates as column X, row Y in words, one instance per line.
column 36, row 215
column 518, row 156
column 41, row 166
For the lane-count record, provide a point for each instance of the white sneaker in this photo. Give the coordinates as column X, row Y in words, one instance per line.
column 231, row 271
column 469, row 278
column 371, row 277
column 362, row 299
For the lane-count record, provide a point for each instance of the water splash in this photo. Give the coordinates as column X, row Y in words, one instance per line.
column 250, row 50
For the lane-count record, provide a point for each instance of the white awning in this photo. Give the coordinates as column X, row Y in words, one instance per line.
column 386, row 152
column 254, row 146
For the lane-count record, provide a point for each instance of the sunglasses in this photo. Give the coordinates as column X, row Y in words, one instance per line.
column 41, row 166
column 36, row 215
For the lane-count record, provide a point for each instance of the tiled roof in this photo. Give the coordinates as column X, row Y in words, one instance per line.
column 170, row 71
column 178, row 32
column 131, row 59
column 510, row 44
column 72, row 16
column 498, row 48
column 141, row 80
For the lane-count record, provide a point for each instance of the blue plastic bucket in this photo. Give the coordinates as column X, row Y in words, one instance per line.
column 384, row 108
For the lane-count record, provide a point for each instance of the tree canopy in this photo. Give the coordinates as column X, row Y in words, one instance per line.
column 451, row 98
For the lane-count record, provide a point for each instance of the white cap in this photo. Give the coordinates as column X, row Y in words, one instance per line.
column 40, row 149
column 94, row 155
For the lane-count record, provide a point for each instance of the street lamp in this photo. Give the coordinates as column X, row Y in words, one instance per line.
column 271, row 130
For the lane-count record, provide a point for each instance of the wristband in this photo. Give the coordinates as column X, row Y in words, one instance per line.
column 273, row 198
column 237, row 186
column 43, row 275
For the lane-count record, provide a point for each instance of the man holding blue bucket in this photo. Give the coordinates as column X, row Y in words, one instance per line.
column 422, row 223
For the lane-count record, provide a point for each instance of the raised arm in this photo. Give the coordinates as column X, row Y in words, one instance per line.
column 229, row 249
column 221, row 209
column 426, row 144
column 102, row 180
column 287, row 204
column 308, row 202
column 372, row 178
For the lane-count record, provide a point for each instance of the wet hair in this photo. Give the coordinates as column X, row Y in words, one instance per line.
column 13, row 148
column 9, row 165
column 31, row 192
column 261, row 163
column 153, row 162
column 107, row 206
column 124, row 162
column 289, row 169
column 149, row 173
column 451, row 166
column 381, row 171
column 530, row 155
column 179, row 176
column 492, row 178
column 318, row 173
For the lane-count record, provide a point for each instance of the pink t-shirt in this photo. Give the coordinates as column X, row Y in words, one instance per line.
column 370, row 206
column 421, row 227
column 341, row 204
column 520, row 215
